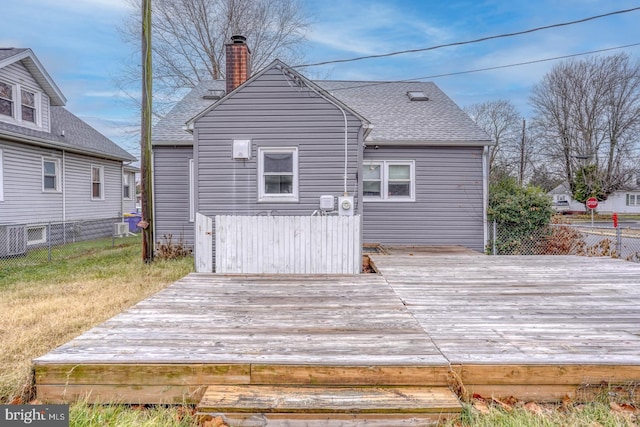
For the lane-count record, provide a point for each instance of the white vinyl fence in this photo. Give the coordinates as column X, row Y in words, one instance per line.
column 288, row 244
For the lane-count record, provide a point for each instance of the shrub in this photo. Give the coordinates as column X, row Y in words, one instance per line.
column 522, row 215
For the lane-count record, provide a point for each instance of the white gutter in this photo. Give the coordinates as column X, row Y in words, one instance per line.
column 485, row 192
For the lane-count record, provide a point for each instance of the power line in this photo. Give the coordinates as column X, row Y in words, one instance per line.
column 497, row 67
column 532, row 30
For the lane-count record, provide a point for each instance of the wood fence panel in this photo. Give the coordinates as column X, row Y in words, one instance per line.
column 288, row 244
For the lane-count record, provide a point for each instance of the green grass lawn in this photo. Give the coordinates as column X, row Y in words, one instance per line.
column 47, row 305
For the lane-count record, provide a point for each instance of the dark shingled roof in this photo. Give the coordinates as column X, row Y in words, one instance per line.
column 7, row 52
column 78, row 136
column 395, row 118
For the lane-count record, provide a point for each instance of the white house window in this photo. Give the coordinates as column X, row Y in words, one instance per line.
column 28, row 100
column 126, row 186
column 278, row 174
column 97, row 182
column 6, row 99
column 633, row 199
column 389, row 180
column 36, row 235
column 50, row 174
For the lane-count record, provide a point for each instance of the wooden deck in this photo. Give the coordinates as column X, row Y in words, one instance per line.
column 532, row 327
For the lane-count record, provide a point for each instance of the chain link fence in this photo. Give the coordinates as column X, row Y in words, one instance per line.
column 566, row 239
column 42, row 242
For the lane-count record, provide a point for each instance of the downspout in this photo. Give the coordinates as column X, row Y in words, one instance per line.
column 122, row 189
column 346, row 140
column 64, row 187
column 485, row 193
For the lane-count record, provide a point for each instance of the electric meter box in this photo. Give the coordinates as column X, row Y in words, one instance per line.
column 345, row 205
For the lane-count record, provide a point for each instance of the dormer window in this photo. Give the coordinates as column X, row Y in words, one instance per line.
column 6, row 100
column 28, row 100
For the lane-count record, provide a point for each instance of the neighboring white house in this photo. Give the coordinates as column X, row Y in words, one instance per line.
column 54, row 167
column 621, row 202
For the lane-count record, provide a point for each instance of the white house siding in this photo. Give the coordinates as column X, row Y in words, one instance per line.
column 24, row 200
column 79, row 204
column 129, row 205
column 17, row 73
column 171, row 193
column 617, row 202
column 448, row 209
column 273, row 113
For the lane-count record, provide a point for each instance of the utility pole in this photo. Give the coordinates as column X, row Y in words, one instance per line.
column 521, row 175
column 145, row 138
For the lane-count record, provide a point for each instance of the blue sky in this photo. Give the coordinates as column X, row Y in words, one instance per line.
column 78, row 43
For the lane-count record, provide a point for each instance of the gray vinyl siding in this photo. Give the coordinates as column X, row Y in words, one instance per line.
column 448, row 209
column 171, row 193
column 79, row 204
column 24, row 200
column 271, row 113
column 16, row 73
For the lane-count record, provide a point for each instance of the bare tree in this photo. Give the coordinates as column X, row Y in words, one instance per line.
column 189, row 37
column 502, row 121
column 589, row 113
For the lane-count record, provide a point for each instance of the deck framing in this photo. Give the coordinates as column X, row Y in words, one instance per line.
column 532, row 327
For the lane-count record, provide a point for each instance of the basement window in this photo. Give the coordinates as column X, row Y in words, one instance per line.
column 417, row 96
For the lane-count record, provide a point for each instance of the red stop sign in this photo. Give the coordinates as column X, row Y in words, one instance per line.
column 592, row 203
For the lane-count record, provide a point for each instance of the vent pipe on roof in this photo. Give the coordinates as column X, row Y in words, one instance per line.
column 238, row 62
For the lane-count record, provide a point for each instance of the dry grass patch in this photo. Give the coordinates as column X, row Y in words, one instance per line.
column 44, row 307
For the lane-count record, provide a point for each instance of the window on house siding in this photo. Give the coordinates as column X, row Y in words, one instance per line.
column 6, row 99
column 389, row 180
column 633, row 199
column 50, row 174
column 278, row 174
column 36, row 235
column 126, row 186
column 97, row 184
column 28, row 100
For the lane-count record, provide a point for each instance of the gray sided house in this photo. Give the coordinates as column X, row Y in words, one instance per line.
column 415, row 163
column 53, row 166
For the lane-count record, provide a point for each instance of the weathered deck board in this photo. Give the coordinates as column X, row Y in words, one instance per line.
column 329, row 399
column 533, row 327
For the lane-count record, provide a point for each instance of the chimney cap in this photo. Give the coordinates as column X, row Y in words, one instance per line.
column 238, row 39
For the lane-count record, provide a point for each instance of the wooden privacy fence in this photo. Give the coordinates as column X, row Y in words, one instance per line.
column 288, row 244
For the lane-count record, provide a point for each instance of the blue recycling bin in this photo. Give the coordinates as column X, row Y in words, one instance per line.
column 133, row 219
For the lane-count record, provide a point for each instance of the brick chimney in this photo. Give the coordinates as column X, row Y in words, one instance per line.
column 238, row 62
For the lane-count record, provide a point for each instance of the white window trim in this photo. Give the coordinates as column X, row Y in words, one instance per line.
column 16, row 89
column 58, row 172
column 11, row 118
column 101, row 168
column 43, row 238
column 635, row 197
column 1, row 177
column 384, row 175
column 280, row 198
column 125, row 176
column 192, row 194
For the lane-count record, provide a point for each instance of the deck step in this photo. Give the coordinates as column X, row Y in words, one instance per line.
column 328, row 406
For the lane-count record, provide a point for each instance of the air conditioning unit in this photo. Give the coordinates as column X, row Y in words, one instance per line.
column 120, row 229
column 13, row 240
